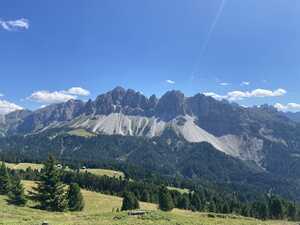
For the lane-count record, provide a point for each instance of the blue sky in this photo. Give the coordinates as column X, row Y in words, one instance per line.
column 246, row 51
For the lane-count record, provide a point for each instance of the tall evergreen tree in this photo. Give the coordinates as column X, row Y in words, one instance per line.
column 245, row 211
column 196, row 204
column 184, row 202
column 275, row 207
column 165, row 200
column 50, row 193
column 17, row 193
column 259, row 210
column 4, row 180
column 263, row 211
column 225, row 208
column 75, row 198
column 291, row 211
column 130, row 202
column 145, row 196
column 212, row 206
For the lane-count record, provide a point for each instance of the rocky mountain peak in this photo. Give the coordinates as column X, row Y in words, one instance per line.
column 120, row 100
column 171, row 105
column 153, row 101
column 219, row 118
column 117, row 94
column 2, row 119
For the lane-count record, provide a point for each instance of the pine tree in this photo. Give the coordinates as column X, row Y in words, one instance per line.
column 17, row 193
column 259, row 210
column 275, row 207
column 212, row 206
column 196, row 202
column 263, row 211
column 291, row 211
column 50, row 191
column 75, row 198
column 145, row 196
column 4, row 180
column 184, row 202
column 165, row 200
column 225, row 208
column 130, row 202
column 246, row 210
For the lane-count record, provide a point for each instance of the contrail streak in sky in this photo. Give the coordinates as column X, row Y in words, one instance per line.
column 212, row 27
column 209, row 34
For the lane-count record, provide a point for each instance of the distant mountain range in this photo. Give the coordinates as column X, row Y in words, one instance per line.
column 262, row 137
column 230, row 128
column 294, row 116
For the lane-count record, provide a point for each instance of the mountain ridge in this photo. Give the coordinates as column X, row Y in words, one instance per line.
column 192, row 137
column 237, row 131
column 293, row 116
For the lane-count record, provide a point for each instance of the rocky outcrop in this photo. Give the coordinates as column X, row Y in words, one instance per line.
column 293, row 116
column 124, row 101
column 171, row 105
column 51, row 114
column 235, row 130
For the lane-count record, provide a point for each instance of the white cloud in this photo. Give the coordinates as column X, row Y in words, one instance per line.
column 14, row 25
column 245, row 83
column 240, row 95
column 224, row 84
column 170, row 81
column 288, row 107
column 47, row 97
column 267, row 93
column 7, row 107
column 214, row 95
column 78, row 91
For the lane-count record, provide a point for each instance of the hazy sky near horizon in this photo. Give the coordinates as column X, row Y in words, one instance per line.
column 245, row 51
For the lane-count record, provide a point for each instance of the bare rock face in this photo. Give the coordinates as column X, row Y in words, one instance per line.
column 171, row 105
column 294, row 116
column 120, row 100
column 51, row 114
column 12, row 120
column 237, row 131
column 2, row 119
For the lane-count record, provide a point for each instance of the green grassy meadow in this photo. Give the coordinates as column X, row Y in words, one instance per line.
column 24, row 166
column 105, row 172
column 98, row 172
column 81, row 133
column 99, row 211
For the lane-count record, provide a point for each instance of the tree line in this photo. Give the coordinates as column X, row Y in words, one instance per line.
column 53, row 180
column 200, row 199
column 49, row 194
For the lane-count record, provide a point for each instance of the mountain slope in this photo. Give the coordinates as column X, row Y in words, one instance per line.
column 237, row 131
column 259, row 134
column 167, row 156
column 294, row 116
column 98, row 211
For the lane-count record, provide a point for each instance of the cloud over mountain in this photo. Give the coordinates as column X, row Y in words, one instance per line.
column 287, row 107
column 240, row 95
column 47, row 97
column 7, row 107
column 78, row 91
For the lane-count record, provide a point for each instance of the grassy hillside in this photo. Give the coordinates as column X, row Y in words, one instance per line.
column 81, row 133
column 180, row 190
column 98, row 172
column 102, row 172
column 98, row 211
column 24, row 166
